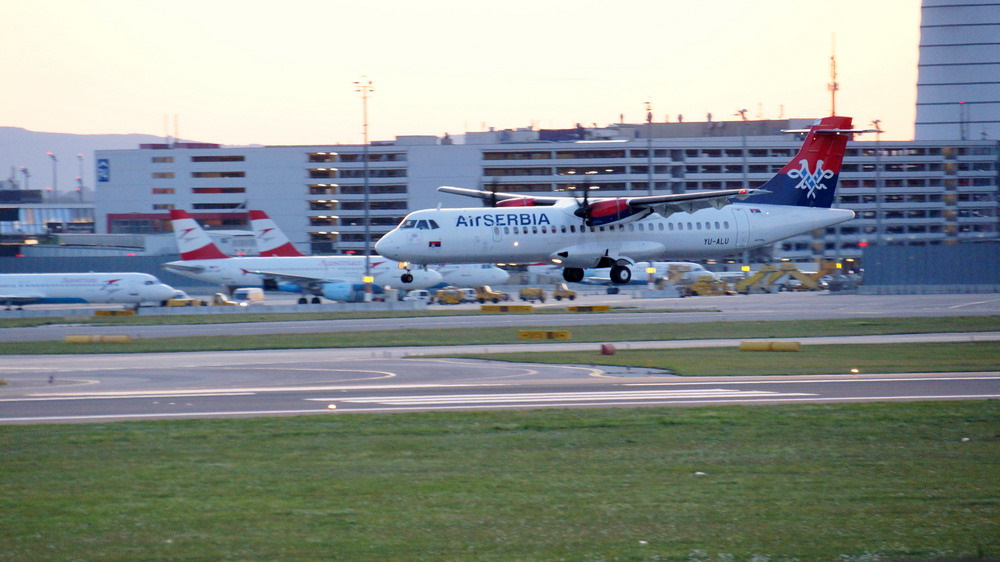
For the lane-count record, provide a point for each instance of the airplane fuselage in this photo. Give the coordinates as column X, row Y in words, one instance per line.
column 128, row 288
column 554, row 233
column 236, row 272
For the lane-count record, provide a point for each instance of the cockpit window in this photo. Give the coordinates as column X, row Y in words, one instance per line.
column 422, row 225
column 434, row 224
column 408, row 224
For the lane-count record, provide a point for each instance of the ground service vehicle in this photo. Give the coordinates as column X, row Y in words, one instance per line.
column 449, row 295
column 220, row 299
column 421, row 295
column 485, row 293
column 532, row 294
column 248, row 295
column 561, row 291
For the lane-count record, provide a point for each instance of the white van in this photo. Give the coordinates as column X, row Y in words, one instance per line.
column 248, row 295
column 421, row 295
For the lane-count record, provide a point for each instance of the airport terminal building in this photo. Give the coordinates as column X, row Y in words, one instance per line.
column 905, row 192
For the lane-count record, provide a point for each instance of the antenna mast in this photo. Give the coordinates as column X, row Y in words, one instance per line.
column 833, row 85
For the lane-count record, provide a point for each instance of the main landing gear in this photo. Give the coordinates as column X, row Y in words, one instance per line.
column 573, row 274
column 620, row 274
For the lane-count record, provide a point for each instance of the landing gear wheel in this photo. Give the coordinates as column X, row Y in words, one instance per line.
column 303, row 300
column 573, row 274
column 315, row 300
column 406, row 278
column 620, row 275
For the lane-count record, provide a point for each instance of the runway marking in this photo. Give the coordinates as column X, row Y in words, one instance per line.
column 249, row 390
column 816, row 398
column 167, row 415
column 972, row 303
column 566, row 397
column 847, row 378
column 128, row 397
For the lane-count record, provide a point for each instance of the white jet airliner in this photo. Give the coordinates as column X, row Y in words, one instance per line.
column 580, row 233
column 39, row 288
column 689, row 271
column 271, row 241
column 336, row 278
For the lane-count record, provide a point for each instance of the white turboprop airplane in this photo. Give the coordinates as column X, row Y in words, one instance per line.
column 39, row 288
column 271, row 241
column 333, row 277
column 580, row 233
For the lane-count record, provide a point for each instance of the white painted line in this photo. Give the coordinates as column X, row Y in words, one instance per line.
column 129, row 397
column 565, row 397
column 259, row 390
column 168, row 415
column 848, row 378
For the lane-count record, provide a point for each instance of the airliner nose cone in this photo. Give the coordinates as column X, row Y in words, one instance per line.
column 385, row 248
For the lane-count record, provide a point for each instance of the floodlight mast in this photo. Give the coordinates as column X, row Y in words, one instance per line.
column 365, row 87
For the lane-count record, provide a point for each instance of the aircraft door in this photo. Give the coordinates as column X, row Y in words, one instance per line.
column 497, row 233
column 742, row 226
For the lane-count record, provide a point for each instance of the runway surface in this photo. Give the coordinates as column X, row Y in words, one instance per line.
column 100, row 388
column 780, row 306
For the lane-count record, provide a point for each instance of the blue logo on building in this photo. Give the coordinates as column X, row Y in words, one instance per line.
column 103, row 170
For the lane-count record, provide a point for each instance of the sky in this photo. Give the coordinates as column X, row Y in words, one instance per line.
column 265, row 72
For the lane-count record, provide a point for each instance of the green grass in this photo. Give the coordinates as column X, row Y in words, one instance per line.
column 814, row 359
column 493, row 335
column 809, row 482
column 252, row 316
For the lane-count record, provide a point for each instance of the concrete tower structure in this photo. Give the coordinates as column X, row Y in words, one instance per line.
column 958, row 88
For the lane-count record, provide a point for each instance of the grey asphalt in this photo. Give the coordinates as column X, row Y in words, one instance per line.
column 100, row 388
column 781, row 306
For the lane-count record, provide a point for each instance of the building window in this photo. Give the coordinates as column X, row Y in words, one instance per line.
column 234, row 158
column 217, row 190
column 162, row 206
column 163, row 175
column 322, row 157
column 163, row 190
column 217, row 205
column 163, row 159
column 218, row 174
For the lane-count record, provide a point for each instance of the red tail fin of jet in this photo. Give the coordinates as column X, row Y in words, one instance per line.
column 271, row 241
column 193, row 242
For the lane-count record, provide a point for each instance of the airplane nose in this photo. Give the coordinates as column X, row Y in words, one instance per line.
column 388, row 246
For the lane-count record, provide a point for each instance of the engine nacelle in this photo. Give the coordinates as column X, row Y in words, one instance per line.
column 519, row 202
column 422, row 279
column 611, row 211
column 338, row 291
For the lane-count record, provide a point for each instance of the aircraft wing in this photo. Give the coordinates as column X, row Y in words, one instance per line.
column 665, row 205
column 499, row 196
column 669, row 204
column 308, row 283
column 178, row 265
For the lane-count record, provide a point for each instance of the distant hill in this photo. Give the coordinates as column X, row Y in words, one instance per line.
column 21, row 147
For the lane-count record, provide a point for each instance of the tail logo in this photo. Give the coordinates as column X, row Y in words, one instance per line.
column 811, row 180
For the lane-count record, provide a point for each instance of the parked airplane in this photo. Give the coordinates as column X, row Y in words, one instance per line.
column 689, row 271
column 579, row 233
column 128, row 288
column 471, row 274
column 271, row 241
column 332, row 277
